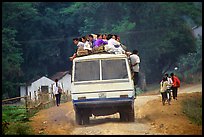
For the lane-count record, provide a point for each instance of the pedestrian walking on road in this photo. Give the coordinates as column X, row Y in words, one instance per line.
column 163, row 90
column 169, row 87
column 175, row 86
column 57, row 90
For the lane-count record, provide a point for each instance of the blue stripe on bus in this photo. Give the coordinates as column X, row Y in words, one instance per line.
column 102, row 99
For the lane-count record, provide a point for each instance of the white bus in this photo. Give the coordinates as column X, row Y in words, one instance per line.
column 102, row 85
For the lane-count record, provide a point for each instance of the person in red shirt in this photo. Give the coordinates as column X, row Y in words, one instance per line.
column 175, row 86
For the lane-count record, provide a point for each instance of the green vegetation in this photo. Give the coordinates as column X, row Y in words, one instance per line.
column 19, row 128
column 36, row 36
column 193, row 109
column 14, row 113
column 190, row 65
column 17, row 118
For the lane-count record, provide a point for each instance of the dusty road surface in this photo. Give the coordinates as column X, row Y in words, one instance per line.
column 151, row 118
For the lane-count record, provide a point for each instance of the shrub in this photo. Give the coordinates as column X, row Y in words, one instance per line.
column 17, row 121
column 19, row 129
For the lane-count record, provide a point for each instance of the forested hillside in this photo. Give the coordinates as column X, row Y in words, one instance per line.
column 37, row 36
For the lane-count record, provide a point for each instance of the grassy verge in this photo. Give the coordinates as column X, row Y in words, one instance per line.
column 193, row 109
column 15, row 121
column 18, row 128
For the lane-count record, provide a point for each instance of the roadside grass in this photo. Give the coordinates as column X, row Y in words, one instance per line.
column 18, row 128
column 15, row 121
column 192, row 108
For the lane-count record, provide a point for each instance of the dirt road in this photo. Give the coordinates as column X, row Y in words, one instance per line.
column 151, row 118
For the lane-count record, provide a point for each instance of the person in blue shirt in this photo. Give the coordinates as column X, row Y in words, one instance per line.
column 99, row 42
column 91, row 40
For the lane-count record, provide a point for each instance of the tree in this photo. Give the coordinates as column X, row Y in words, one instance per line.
column 11, row 61
column 42, row 33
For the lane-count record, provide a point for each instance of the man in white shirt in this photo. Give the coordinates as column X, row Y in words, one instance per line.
column 78, row 43
column 135, row 60
column 87, row 45
column 56, row 87
column 113, row 46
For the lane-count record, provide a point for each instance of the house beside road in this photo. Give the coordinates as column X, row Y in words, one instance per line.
column 44, row 84
column 35, row 86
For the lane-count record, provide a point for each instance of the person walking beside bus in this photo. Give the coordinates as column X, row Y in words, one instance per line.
column 57, row 90
column 175, row 86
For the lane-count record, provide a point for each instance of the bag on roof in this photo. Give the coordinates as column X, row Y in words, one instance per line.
column 82, row 52
column 98, row 49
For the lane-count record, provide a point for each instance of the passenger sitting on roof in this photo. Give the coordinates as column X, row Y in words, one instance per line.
column 114, row 36
column 123, row 46
column 99, row 42
column 94, row 36
column 113, row 45
column 78, row 42
column 80, row 46
column 104, row 37
column 87, row 45
column 91, row 40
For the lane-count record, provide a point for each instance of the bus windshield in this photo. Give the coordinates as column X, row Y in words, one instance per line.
column 90, row 70
column 114, row 69
column 87, row 71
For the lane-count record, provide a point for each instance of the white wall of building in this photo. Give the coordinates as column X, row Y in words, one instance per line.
column 36, row 86
column 22, row 91
column 66, row 82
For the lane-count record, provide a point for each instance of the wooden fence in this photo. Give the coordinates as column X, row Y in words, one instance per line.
column 40, row 101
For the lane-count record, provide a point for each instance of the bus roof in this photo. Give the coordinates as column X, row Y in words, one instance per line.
column 100, row 56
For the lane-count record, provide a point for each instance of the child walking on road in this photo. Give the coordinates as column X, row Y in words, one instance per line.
column 163, row 90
